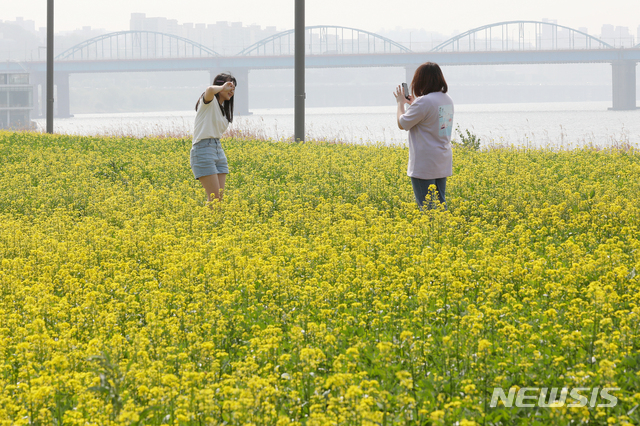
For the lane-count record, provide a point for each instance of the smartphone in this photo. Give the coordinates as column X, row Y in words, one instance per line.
column 405, row 90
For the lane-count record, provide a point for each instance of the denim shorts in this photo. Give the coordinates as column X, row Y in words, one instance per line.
column 208, row 158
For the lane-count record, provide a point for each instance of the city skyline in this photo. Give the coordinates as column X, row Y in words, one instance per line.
column 115, row 15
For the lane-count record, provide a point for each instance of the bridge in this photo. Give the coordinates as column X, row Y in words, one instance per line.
column 511, row 42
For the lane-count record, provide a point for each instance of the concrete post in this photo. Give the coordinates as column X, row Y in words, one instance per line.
column 299, row 95
column 62, row 101
column 50, row 62
column 624, row 85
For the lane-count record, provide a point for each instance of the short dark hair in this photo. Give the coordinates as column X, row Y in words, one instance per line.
column 427, row 79
column 227, row 106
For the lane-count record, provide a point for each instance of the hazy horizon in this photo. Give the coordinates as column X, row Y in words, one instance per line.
column 115, row 14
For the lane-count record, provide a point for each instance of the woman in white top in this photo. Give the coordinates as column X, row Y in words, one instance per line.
column 208, row 160
column 429, row 119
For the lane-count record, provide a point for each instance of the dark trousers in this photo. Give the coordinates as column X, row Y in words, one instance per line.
column 422, row 192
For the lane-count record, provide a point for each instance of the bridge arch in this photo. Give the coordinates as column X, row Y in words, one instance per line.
column 546, row 36
column 135, row 45
column 325, row 39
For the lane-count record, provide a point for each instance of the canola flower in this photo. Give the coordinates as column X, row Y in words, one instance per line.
column 316, row 293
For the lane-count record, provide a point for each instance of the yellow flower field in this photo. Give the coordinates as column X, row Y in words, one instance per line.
column 316, row 293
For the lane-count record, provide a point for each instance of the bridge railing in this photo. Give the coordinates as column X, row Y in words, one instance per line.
column 136, row 45
column 521, row 35
column 325, row 39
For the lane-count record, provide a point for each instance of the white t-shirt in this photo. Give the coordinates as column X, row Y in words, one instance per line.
column 429, row 121
column 210, row 121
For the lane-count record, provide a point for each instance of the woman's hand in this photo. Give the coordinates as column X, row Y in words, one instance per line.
column 402, row 101
column 399, row 94
column 228, row 86
column 227, row 90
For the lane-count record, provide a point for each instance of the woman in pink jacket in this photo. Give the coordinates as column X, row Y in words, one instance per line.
column 428, row 116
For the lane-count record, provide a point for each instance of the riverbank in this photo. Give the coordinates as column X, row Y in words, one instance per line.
column 568, row 124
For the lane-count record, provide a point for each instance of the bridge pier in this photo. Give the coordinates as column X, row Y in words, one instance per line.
column 61, row 103
column 39, row 82
column 241, row 97
column 624, row 85
column 409, row 71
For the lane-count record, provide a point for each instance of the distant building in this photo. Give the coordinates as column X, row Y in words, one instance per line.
column 17, row 39
column 623, row 35
column 16, row 101
column 617, row 36
column 27, row 25
column 223, row 37
column 549, row 37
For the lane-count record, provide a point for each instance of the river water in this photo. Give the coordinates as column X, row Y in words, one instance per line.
column 558, row 124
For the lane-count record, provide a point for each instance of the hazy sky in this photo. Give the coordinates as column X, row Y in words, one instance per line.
column 371, row 15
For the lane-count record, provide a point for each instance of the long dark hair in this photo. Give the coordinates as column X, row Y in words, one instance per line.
column 427, row 79
column 227, row 106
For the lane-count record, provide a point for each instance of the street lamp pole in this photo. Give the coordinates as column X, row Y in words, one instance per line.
column 299, row 94
column 49, row 66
